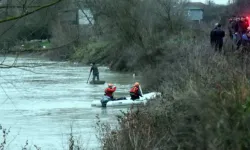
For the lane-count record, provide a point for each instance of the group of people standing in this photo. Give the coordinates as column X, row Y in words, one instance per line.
column 238, row 29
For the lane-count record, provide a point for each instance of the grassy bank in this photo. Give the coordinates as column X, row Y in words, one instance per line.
column 205, row 104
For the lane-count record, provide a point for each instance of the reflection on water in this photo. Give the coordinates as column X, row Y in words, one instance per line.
column 41, row 103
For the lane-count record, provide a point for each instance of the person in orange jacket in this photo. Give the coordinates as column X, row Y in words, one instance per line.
column 110, row 90
column 135, row 91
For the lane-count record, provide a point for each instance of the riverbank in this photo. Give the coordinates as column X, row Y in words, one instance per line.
column 205, row 103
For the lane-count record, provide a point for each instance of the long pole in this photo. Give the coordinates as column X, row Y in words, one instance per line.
column 89, row 76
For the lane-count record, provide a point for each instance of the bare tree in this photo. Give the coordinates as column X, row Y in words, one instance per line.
column 133, row 27
column 29, row 19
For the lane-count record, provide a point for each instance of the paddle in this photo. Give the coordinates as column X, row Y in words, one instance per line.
column 140, row 90
column 89, row 76
column 139, row 85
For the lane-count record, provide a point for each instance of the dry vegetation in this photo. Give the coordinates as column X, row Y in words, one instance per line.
column 205, row 103
column 205, row 106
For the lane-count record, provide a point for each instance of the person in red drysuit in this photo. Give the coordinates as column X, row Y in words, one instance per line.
column 110, row 90
column 135, row 91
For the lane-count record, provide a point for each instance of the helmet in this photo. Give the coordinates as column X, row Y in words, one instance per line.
column 110, row 85
column 216, row 24
column 137, row 84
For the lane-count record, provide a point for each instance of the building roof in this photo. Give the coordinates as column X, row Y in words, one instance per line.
column 195, row 5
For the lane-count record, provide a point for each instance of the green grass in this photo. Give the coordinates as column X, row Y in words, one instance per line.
column 37, row 44
column 91, row 51
column 45, row 43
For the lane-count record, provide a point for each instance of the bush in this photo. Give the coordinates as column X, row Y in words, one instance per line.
column 205, row 103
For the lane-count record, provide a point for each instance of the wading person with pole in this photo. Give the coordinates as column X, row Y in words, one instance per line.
column 95, row 71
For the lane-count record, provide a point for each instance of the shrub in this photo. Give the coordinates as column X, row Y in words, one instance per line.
column 205, row 103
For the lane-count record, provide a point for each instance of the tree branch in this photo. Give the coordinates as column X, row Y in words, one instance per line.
column 90, row 22
column 31, row 12
column 16, row 6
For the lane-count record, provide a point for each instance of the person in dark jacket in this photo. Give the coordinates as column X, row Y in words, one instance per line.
column 219, row 34
column 212, row 36
column 94, row 68
column 231, row 25
column 241, row 29
column 242, row 26
column 233, row 29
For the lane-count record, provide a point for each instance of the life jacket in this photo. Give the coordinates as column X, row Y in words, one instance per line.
column 109, row 91
column 134, row 91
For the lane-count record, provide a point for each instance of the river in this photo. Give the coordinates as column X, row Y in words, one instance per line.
column 42, row 100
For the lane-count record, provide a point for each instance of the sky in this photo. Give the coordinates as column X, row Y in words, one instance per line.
column 83, row 19
column 216, row 1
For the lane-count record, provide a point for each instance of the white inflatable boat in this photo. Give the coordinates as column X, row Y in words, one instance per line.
column 127, row 101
